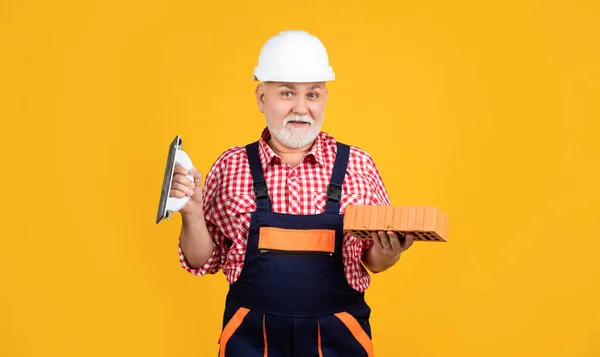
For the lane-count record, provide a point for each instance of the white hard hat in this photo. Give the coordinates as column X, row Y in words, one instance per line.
column 293, row 56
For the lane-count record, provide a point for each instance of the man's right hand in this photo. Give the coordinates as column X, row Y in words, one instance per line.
column 182, row 186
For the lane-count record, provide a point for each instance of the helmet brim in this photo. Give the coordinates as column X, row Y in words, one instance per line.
column 325, row 76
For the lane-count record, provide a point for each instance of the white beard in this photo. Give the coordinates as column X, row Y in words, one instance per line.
column 295, row 137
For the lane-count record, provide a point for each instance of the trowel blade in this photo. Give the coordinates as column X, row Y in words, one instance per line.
column 168, row 177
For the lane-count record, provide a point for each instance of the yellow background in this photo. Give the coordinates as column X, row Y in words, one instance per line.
column 489, row 111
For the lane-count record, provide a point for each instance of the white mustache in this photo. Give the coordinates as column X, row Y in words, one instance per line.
column 300, row 118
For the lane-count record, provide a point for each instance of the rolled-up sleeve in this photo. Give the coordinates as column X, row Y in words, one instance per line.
column 213, row 264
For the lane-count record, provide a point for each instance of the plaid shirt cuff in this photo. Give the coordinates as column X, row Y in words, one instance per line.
column 210, row 267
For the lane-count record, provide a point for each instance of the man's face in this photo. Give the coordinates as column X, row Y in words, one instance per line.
column 294, row 111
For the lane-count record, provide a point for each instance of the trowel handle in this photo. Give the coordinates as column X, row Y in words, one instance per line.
column 174, row 204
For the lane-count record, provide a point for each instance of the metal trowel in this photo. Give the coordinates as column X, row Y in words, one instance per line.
column 168, row 205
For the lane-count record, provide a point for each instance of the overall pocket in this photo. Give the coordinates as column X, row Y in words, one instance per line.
column 296, row 242
column 344, row 335
column 243, row 332
column 232, row 325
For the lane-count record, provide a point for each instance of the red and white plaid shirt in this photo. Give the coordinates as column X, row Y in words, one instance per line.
column 228, row 200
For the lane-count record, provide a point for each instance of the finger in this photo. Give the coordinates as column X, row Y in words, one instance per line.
column 180, row 170
column 196, row 174
column 376, row 240
column 385, row 241
column 197, row 193
column 183, row 180
column 176, row 193
column 408, row 241
column 394, row 241
column 176, row 186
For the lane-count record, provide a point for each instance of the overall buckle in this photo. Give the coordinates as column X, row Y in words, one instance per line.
column 260, row 189
column 334, row 192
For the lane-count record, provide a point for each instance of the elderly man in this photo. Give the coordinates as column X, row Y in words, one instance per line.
column 271, row 217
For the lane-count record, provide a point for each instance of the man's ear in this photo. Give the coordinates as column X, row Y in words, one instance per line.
column 260, row 97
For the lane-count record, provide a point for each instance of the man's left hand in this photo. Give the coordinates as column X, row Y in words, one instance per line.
column 386, row 249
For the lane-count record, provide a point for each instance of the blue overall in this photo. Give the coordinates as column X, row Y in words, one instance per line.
column 297, row 304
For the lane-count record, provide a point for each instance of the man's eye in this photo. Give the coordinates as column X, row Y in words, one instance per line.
column 286, row 93
column 314, row 95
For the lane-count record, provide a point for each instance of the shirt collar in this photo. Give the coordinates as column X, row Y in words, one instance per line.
column 267, row 154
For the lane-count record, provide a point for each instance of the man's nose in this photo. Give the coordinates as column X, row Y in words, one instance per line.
column 300, row 107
